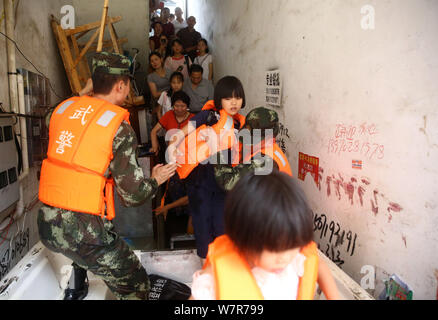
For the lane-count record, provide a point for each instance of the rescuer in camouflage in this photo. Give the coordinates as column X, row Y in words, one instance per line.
column 90, row 240
column 258, row 118
column 111, row 63
column 263, row 118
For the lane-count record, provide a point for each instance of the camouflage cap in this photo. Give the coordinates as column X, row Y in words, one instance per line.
column 111, row 63
column 263, row 118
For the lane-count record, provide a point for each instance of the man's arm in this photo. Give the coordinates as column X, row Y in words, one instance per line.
column 134, row 189
column 227, row 176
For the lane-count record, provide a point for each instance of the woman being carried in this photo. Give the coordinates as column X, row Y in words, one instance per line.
column 206, row 198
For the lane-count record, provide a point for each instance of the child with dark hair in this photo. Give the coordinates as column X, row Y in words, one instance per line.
column 164, row 102
column 205, row 59
column 267, row 252
column 206, row 198
column 177, row 61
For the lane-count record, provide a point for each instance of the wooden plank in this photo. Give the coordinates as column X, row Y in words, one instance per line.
column 102, row 26
column 81, row 34
column 91, row 26
column 82, row 65
column 106, row 44
column 113, row 38
column 87, row 46
column 64, row 48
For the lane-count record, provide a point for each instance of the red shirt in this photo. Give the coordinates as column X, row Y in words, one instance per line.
column 168, row 121
column 168, row 30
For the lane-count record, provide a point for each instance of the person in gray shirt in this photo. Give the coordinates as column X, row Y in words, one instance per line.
column 158, row 79
column 198, row 89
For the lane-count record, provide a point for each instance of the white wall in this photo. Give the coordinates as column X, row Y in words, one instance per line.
column 35, row 39
column 382, row 83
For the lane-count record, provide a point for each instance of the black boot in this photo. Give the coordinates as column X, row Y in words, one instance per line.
column 77, row 288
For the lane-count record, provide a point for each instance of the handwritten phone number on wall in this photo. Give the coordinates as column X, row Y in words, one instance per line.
column 335, row 238
column 368, row 150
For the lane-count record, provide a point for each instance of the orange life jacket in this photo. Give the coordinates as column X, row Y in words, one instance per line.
column 81, row 134
column 235, row 281
column 274, row 152
column 195, row 150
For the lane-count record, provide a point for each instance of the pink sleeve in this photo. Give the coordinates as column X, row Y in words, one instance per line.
column 167, row 63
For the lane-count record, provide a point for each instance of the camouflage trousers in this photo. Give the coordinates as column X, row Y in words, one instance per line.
column 89, row 241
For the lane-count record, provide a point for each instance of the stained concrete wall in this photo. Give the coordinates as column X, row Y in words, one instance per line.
column 349, row 94
column 35, row 39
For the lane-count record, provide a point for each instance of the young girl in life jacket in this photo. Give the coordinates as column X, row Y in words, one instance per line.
column 267, row 251
column 206, row 198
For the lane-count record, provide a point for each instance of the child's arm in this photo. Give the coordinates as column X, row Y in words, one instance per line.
column 159, row 111
column 154, row 138
column 326, row 282
column 178, row 203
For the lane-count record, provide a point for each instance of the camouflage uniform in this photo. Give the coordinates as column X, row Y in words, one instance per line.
column 89, row 240
column 259, row 118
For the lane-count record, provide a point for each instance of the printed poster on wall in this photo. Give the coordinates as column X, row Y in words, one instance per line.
column 309, row 164
column 273, row 88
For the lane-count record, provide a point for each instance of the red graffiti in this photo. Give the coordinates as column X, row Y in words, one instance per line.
column 370, row 129
column 349, row 190
column 328, row 180
column 374, row 208
column 337, row 187
column 394, row 207
column 345, row 139
column 360, row 192
column 349, row 187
